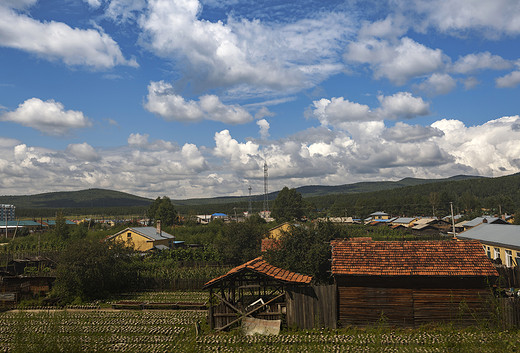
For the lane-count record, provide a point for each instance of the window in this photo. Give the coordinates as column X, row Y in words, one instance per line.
column 128, row 235
column 488, row 251
column 517, row 258
column 497, row 253
column 509, row 258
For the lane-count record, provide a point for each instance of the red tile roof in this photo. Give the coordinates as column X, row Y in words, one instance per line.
column 258, row 265
column 410, row 258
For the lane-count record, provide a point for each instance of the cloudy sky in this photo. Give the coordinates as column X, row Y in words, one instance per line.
column 187, row 98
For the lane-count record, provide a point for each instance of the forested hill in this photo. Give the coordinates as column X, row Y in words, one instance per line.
column 468, row 195
column 361, row 187
column 88, row 198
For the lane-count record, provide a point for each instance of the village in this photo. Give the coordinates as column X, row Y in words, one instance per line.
column 301, row 274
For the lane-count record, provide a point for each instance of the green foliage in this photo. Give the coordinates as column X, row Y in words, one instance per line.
column 305, row 249
column 240, row 242
column 61, row 229
column 92, row 270
column 163, row 210
column 288, row 206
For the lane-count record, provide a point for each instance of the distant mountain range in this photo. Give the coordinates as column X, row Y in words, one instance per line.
column 101, row 198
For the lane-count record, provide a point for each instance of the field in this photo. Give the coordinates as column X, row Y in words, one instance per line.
column 107, row 330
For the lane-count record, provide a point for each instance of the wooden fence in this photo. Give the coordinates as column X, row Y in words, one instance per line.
column 509, row 309
column 312, row 307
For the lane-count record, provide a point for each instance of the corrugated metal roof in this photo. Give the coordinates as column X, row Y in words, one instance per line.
column 476, row 221
column 506, row 234
column 151, row 233
column 410, row 258
column 404, row 220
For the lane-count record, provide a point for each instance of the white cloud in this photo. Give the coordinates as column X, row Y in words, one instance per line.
column 397, row 61
column 340, row 112
column 93, row 3
column 124, row 10
column 402, row 105
column 58, row 41
column 162, row 101
column 390, row 27
column 480, row 61
column 438, row 84
column 264, row 128
column 510, row 80
column 369, row 151
column 140, row 141
column 83, row 151
column 241, row 53
column 404, row 133
column 49, row 117
column 493, row 18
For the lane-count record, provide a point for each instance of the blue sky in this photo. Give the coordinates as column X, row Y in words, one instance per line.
column 188, row 98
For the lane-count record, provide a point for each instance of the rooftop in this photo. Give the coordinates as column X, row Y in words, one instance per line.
column 259, row 265
column 410, row 258
column 505, row 234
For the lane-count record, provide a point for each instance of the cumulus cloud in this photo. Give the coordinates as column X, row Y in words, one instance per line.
column 369, row 151
column 402, row 105
column 339, row 112
column 397, row 61
column 58, row 41
column 404, row 133
column 49, row 117
column 510, row 80
column 493, row 18
column 83, row 151
column 438, row 84
column 162, row 101
column 264, row 128
column 242, row 52
column 480, row 61
column 140, row 141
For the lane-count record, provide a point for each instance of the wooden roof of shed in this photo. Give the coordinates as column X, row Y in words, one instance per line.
column 410, row 258
column 260, row 266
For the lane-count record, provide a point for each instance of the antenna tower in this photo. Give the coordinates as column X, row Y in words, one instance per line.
column 266, row 202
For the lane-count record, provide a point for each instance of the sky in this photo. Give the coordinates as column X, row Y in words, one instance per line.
column 189, row 98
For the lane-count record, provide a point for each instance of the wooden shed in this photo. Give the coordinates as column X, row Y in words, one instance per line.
column 259, row 290
column 410, row 283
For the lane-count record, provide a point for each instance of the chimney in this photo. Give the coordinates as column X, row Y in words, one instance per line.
column 158, row 225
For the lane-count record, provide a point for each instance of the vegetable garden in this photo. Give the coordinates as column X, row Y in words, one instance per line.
column 107, row 330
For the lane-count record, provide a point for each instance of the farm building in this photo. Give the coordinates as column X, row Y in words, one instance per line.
column 259, row 291
column 410, row 283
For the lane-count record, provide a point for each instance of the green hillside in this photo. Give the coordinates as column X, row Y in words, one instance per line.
column 88, row 198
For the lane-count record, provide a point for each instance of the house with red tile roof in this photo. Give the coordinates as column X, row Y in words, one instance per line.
column 410, row 283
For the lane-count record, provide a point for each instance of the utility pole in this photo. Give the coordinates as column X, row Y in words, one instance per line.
column 453, row 221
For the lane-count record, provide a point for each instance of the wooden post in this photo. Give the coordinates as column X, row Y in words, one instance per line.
column 210, row 310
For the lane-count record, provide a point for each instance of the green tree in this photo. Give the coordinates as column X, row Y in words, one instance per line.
column 305, row 249
column 240, row 242
column 61, row 229
column 288, row 205
column 163, row 209
column 89, row 270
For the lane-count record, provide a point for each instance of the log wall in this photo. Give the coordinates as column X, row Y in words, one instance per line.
column 411, row 307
